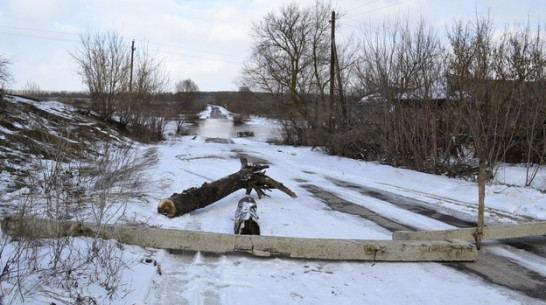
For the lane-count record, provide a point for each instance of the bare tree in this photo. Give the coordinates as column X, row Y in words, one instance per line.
column 278, row 57
column 401, row 72
column 139, row 109
column 488, row 94
column 289, row 61
column 186, row 94
column 484, row 94
column 32, row 89
column 186, row 85
column 5, row 75
column 104, row 67
column 521, row 61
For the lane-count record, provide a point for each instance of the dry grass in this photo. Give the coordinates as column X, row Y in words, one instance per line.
column 67, row 166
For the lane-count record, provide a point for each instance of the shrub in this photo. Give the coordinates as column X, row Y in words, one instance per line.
column 240, row 119
column 355, row 143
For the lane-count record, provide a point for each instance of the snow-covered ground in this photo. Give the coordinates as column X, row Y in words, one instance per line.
column 160, row 277
column 231, row 279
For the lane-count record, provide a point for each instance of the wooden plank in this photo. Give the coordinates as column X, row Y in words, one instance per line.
column 308, row 248
column 467, row 234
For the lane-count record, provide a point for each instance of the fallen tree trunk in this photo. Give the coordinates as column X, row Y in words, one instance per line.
column 249, row 177
column 246, row 218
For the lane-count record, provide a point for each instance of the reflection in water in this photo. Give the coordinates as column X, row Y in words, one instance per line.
column 223, row 128
column 215, row 128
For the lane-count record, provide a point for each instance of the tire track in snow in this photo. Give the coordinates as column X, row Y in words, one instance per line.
column 490, row 267
column 341, row 205
column 407, row 203
column 469, row 206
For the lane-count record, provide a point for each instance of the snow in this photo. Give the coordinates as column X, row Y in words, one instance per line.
column 242, row 280
column 230, row 279
column 160, row 277
column 206, row 114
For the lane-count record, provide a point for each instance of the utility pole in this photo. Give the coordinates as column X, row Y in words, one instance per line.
column 332, row 74
column 131, row 76
column 344, row 107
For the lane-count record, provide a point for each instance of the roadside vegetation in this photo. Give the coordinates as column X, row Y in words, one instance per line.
column 403, row 97
column 407, row 98
column 400, row 94
column 84, row 173
column 5, row 75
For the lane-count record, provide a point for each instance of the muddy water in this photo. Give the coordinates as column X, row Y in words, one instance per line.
column 223, row 128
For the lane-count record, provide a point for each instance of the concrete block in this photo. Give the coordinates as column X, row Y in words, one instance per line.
column 468, row 234
column 263, row 246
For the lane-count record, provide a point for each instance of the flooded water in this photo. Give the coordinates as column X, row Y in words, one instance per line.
column 223, row 128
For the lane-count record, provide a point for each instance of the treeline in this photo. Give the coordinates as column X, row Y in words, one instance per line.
column 171, row 105
column 403, row 95
column 436, row 108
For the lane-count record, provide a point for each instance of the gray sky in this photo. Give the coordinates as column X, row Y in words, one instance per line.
column 205, row 40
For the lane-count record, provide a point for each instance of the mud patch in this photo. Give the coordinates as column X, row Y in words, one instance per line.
column 219, row 140
column 189, row 157
column 251, row 159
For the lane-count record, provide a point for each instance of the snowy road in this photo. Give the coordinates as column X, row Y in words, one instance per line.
column 346, row 199
column 491, row 267
column 335, row 203
column 338, row 198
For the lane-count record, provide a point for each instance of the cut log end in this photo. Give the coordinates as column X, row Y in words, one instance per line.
column 167, row 208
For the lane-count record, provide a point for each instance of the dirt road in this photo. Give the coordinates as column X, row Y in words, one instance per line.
column 215, row 113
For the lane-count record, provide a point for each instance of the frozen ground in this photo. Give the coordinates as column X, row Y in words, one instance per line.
column 231, row 279
column 161, row 277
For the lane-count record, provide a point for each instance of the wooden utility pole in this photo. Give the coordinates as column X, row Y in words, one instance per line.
column 332, row 74
column 344, row 111
column 481, row 201
column 131, row 76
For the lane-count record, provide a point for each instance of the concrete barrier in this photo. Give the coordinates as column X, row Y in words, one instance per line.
column 468, row 234
column 308, row 248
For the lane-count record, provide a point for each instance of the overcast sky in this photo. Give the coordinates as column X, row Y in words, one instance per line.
column 205, row 40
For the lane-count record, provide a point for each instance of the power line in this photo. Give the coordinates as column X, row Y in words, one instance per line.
column 352, row 26
column 351, row 22
column 373, row 10
column 181, row 54
column 175, row 47
column 362, row 5
column 37, row 36
column 195, row 50
column 36, row 30
column 34, row 33
column 360, row 25
column 200, row 57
